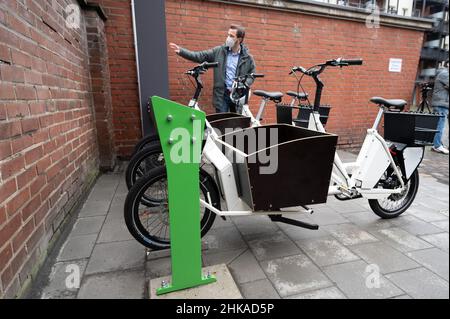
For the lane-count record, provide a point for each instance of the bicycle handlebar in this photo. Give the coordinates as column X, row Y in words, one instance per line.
column 336, row 62
column 243, row 78
column 297, row 68
column 196, row 72
column 208, row 65
column 344, row 62
column 257, row 75
column 353, row 62
column 316, row 70
column 201, row 68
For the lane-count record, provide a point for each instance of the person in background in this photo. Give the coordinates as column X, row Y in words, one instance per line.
column 234, row 60
column 439, row 102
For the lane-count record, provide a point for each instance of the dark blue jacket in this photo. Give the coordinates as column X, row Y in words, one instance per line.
column 245, row 66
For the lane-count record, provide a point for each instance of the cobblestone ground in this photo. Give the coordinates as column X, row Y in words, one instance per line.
column 436, row 165
column 408, row 255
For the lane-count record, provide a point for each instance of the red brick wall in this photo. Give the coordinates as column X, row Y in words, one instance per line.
column 279, row 40
column 101, row 88
column 124, row 85
column 48, row 149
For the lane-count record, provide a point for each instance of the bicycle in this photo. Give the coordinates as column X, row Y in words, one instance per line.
column 143, row 157
column 383, row 172
column 194, row 72
column 141, row 206
column 151, row 156
column 403, row 159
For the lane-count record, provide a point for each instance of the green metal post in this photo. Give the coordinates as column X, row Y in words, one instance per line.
column 180, row 131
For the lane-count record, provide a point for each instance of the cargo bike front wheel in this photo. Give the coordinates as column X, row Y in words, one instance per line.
column 149, row 223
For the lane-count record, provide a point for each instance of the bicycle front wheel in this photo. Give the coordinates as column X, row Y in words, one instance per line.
column 144, row 161
column 145, row 142
column 149, row 224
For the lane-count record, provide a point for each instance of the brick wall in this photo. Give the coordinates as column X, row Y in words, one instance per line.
column 48, row 149
column 101, row 88
column 279, row 40
column 122, row 64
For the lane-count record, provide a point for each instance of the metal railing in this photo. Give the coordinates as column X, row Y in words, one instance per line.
column 417, row 8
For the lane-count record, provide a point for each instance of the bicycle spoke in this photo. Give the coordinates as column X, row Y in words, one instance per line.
column 139, row 172
column 395, row 201
column 160, row 229
column 150, row 211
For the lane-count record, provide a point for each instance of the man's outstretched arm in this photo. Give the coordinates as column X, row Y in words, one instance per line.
column 194, row 56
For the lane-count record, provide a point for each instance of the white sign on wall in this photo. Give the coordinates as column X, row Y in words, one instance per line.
column 395, row 65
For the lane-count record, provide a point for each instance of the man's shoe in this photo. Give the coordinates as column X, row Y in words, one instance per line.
column 441, row 149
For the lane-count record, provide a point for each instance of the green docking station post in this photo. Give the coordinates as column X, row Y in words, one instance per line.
column 180, row 130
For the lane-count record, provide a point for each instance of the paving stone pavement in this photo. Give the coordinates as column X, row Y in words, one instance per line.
column 354, row 254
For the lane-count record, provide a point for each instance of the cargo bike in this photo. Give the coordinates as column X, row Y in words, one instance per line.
column 148, row 151
column 293, row 168
column 385, row 171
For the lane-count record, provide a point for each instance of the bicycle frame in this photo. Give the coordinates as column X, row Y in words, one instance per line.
column 358, row 178
column 363, row 174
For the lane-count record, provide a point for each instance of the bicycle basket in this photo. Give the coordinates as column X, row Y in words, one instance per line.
column 228, row 122
column 411, row 128
column 270, row 161
column 304, row 112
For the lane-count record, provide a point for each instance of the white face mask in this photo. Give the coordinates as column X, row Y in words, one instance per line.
column 230, row 42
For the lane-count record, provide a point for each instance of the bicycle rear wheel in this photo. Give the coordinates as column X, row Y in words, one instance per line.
column 396, row 204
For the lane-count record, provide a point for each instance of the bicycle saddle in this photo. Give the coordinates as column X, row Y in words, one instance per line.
column 394, row 103
column 273, row 96
column 300, row 96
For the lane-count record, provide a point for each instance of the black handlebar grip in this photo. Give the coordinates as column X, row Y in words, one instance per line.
column 210, row 64
column 257, row 75
column 352, row 62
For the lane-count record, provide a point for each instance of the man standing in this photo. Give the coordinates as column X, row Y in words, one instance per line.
column 440, row 105
column 234, row 60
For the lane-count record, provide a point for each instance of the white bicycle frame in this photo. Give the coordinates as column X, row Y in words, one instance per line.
column 361, row 177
